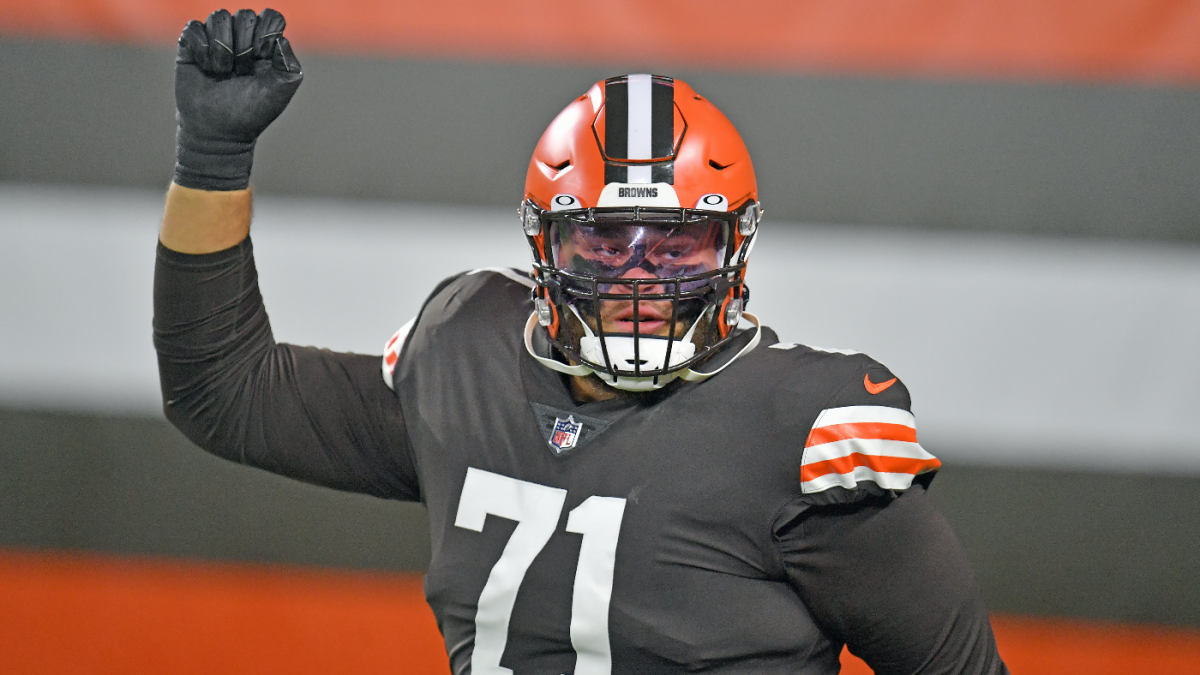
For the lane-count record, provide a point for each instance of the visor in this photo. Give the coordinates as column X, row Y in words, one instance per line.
column 612, row 250
column 640, row 281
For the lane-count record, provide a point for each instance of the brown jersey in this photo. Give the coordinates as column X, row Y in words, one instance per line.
column 753, row 522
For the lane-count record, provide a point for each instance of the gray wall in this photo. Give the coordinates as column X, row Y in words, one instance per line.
column 135, row 485
column 1106, row 546
column 1066, row 158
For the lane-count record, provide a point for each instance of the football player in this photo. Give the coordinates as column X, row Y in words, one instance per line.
column 624, row 471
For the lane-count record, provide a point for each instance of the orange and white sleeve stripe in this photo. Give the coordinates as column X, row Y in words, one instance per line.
column 391, row 352
column 863, row 443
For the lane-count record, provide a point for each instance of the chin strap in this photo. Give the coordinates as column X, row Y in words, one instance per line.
column 695, row 376
column 686, row 374
column 552, row 364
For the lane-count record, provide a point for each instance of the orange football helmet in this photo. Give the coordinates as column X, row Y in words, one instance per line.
column 640, row 196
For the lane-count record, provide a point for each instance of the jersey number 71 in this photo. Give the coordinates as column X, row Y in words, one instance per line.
column 537, row 508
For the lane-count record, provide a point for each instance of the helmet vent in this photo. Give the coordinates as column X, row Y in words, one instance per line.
column 718, row 166
column 556, row 169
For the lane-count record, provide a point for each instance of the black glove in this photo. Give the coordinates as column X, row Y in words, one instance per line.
column 233, row 76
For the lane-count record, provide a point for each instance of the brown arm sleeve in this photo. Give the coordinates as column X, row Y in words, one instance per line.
column 314, row 415
column 888, row 578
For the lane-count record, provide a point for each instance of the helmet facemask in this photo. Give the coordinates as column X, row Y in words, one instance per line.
column 638, row 294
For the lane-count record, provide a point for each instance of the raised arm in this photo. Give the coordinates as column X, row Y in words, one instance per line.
column 314, row 415
column 234, row 74
column 203, row 221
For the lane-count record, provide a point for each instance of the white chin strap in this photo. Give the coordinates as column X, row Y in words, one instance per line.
column 651, row 353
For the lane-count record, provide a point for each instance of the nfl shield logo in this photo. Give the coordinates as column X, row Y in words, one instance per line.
column 565, row 434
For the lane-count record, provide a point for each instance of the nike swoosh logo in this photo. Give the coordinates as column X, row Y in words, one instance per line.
column 877, row 388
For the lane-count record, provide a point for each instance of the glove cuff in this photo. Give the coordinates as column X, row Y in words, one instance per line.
column 211, row 164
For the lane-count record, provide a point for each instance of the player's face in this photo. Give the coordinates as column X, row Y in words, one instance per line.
column 641, row 251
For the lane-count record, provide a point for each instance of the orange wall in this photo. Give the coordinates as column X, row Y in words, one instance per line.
column 69, row 614
column 1116, row 40
column 66, row 615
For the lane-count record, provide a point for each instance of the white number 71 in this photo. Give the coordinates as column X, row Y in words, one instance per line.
column 536, row 508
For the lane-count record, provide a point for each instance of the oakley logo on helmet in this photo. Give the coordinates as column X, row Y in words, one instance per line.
column 713, row 202
column 564, row 202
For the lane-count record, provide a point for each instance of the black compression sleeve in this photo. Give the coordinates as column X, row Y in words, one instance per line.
column 315, row 415
column 889, row 579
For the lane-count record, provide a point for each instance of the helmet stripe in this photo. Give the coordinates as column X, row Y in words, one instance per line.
column 663, row 137
column 663, row 118
column 639, row 124
column 616, row 128
column 663, row 173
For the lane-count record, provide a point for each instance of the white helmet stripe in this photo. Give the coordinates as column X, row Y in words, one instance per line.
column 641, row 126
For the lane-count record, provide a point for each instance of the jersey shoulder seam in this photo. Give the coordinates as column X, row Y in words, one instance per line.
column 510, row 273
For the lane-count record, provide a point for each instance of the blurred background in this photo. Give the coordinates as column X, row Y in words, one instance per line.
column 999, row 199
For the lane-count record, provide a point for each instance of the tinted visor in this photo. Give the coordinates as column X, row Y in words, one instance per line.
column 640, row 250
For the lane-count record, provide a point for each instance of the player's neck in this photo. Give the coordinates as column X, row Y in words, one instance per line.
column 589, row 389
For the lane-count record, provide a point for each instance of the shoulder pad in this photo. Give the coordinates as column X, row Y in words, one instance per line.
column 786, row 346
column 873, row 384
column 865, row 440
column 452, row 291
column 510, row 273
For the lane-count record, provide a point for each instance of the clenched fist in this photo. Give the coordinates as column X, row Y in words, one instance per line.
column 233, row 76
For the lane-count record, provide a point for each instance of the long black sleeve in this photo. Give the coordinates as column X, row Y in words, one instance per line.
column 314, row 415
column 889, row 578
